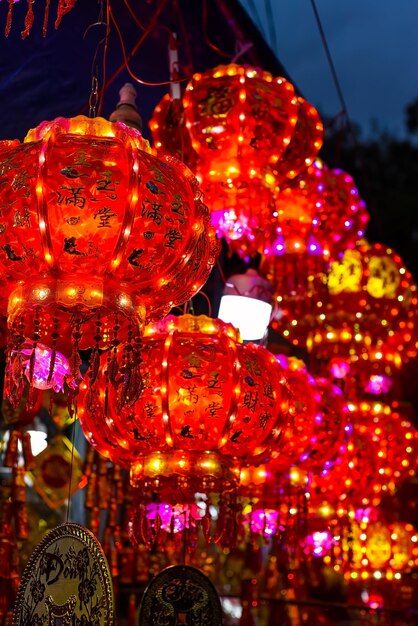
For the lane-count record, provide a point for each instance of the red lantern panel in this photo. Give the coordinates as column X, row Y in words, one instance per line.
column 169, row 132
column 304, row 145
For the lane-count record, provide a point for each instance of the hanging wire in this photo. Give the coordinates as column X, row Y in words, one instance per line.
column 333, row 72
column 128, row 57
column 70, row 479
column 206, row 36
column 94, row 99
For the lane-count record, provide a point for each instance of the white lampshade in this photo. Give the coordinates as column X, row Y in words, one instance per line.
column 249, row 315
column 247, row 304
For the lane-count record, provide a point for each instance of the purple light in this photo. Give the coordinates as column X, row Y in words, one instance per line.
column 319, row 543
column 279, row 245
column 378, row 384
column 174, row 517
column 262, row 521
column 339, row 368
column 41, row 378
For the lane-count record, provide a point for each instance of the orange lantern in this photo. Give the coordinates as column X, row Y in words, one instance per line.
column 209, row 404
column 98, row 236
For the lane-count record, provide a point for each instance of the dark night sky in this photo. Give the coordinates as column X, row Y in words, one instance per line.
column 375, row 49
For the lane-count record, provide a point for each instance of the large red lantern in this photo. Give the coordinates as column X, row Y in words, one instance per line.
column 98, row 236
column 209, row 404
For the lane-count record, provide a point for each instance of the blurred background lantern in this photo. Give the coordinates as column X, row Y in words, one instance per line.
column 371, row 300
column 209, row 404
column 316, row 215
column 114, row 223
column 246, row 303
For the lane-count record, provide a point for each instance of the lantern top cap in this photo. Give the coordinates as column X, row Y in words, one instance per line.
column 242, row 71
column 192, row 324
column 86, row 126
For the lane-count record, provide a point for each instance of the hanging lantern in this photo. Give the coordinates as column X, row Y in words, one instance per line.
column 169, row 132
column 357, row 478
column 246, row 304
column 314, row 217
column 209, row 404
column 371, row 301
column 98, row 236
column 381, row 550
column 239, row 118
column 304, row 145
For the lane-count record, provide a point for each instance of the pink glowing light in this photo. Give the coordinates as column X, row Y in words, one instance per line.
column 262, row 521
column 378, row 384
column 228, row 224
column 175, row 518
column 319, row 542
column 339, row 368
column 37, row 367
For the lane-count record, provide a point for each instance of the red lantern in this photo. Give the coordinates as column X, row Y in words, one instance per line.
column 240, row 119
column 371, row 300
column 304, row 145
column 314, row 216
column 208, row 404
column 97, row 237
column 169, row 132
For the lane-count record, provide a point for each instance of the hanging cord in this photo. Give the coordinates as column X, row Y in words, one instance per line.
column 206, row 36
column 128, row 57
column 70, row 480
column 95, row 101
column 334, row 73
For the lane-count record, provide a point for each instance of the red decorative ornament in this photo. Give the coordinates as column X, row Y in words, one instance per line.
column 64, row 6
column 314, row 216
column 209, row 404
column 98, row 236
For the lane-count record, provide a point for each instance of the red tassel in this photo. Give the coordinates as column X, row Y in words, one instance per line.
column 9, row 18
column 28, row 19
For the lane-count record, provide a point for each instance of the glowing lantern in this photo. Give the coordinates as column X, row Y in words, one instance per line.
column 355, row 480
column 209, row 404
column 169, row 132
column 239, row 118
column 371, row 303
column 380, row 549
column 304, row 145
column 98, row 236
column 314, row 217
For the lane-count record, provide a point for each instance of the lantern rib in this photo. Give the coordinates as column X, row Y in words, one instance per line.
column 41, row 207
